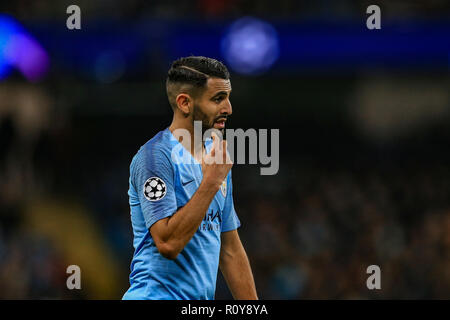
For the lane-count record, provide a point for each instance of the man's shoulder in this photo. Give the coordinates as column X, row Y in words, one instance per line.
column 157, row 148
column 160, row 142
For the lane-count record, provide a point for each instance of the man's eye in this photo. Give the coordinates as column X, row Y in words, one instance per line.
column 218, row 99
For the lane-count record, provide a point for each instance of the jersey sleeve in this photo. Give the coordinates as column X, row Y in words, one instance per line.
column 230, row 218
column 153, row 179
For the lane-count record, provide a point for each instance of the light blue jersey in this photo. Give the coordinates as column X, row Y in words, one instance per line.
column 159, row 187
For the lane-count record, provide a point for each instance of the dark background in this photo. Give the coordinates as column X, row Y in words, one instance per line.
column 363, row 115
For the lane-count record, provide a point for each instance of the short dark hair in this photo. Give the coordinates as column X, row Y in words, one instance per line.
column 191, row 74
column 196, row 70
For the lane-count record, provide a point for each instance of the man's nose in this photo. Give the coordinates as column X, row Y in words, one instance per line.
column 227, row 109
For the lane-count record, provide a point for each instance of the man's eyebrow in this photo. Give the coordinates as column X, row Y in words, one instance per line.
column 221, row 92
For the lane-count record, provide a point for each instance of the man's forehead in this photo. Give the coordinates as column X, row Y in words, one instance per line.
column 217, row 84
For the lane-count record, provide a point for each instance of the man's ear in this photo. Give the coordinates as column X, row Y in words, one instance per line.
column 184, row 103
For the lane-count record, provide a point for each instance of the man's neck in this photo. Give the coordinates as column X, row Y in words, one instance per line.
column 196, row 150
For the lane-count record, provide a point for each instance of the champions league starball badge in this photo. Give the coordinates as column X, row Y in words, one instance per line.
column 154, row 189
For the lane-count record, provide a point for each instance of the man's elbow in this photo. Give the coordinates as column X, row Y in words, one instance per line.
column 168, row 251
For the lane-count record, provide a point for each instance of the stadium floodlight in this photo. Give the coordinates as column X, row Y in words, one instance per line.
column 18, row 49
column 250, row 46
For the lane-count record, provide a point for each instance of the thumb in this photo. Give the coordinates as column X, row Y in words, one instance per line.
column 216, row 140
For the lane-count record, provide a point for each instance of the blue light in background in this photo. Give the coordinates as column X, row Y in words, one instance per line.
column 20, row 50
column 8, row 27
column 109, row 66
column 250, row 46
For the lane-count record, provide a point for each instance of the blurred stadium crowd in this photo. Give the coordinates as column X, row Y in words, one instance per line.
column 310, row 231
column 317, row 241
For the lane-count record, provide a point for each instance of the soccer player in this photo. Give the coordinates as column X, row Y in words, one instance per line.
column 183, row 217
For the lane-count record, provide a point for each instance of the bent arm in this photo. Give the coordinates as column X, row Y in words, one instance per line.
column 171, row 234
column 235, row 267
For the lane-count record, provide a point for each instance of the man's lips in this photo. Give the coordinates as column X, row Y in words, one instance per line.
column 220, row 123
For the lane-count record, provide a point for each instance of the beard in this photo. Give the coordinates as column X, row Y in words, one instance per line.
column 207, row 123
